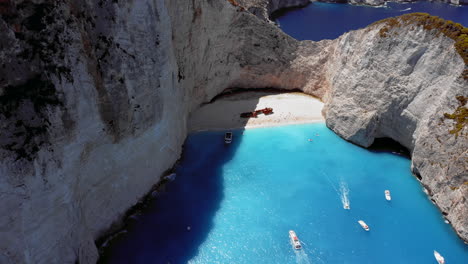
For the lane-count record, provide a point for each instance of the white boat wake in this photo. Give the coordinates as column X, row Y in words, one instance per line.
column 342, row 190
column 344, row 193
column 407, row 9
column 301, row 257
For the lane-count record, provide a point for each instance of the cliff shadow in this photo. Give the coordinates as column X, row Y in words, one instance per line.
column 179, row 218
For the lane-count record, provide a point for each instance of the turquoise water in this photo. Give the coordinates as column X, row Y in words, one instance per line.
column 320, row 21
column 240, row 201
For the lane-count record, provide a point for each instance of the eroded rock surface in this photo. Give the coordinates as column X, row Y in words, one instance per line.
column 90, row 119
column 95, row 96
column 387, row 85
column 265, row 8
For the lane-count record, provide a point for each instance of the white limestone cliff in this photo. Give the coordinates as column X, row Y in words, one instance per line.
column 95, row 95
column 400, row 86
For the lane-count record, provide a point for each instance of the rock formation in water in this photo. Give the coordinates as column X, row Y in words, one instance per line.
column 95, row 96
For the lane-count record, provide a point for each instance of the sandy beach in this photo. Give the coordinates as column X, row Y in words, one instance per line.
column 288, row 108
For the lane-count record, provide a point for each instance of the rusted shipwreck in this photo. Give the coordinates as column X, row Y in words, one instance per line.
column 265, row 111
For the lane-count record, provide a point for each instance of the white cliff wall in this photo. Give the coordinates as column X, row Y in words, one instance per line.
column 219, row 45
column 83, row 147
column 95, row 95
column 398, row 85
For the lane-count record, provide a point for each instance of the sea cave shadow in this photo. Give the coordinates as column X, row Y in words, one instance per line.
column 388, row 145
column 177, row 222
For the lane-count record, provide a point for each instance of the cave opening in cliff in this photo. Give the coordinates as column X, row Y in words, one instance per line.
column 386, row 144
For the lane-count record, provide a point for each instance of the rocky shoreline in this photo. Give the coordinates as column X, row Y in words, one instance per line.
column 96, row 96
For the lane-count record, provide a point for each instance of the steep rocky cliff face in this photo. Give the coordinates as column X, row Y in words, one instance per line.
column 95, row 95
column 91, row 116
column 385, row 83
column 94, row 99
column 264, row 8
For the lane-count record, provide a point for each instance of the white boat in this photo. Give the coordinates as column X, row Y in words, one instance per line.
column 346, row 206
column 439, row 257
column 294, row 240
column 228, row 137
column 364, row 225
column 387, row 195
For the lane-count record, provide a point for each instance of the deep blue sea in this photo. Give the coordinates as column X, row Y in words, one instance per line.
column 240, row 201
column 320, row 21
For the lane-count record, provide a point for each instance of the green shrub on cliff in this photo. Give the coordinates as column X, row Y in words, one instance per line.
column 460, row 115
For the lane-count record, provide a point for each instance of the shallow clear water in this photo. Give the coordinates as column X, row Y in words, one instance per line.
column 320, row 21
column 241, row 200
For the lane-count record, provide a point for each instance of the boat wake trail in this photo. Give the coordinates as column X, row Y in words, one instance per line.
column 344, row 193
column 342, row 190
column 404, row 10
column 302, row 258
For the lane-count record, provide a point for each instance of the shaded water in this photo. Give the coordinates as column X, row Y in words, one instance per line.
column 319, row 21
column 240, row 201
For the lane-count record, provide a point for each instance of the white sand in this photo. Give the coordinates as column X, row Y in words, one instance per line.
column 288, row 108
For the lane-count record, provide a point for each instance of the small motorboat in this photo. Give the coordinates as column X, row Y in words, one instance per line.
column 294, row 240
column 387, row 195
column 364, row 225
column 228, row 137
column 346, row 206
column 439, row 257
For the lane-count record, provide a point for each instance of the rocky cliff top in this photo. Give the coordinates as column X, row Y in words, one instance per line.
column 263, row 9
column 450, row 29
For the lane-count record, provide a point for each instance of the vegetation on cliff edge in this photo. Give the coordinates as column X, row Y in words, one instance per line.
column 455, row 31
column 460, row 115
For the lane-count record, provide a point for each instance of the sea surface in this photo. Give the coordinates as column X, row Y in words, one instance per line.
column 236, row 203
column 320, row 21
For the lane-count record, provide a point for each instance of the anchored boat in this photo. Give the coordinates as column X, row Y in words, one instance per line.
column 294, row 240
column 387, row 195
column 228, row 137
column 439, row 257
column 364, row 225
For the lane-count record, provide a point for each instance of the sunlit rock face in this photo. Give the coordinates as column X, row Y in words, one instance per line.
column 95, row 97
column 389, row 86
